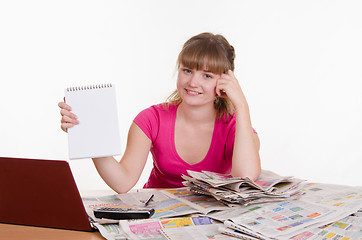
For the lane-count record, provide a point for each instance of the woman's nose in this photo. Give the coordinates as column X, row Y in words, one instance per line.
column 193, row 80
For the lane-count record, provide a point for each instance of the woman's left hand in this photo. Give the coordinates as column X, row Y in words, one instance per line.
column 246, row 159
column 228, row 87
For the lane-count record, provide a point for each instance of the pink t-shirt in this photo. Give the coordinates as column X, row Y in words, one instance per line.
column 158, row 123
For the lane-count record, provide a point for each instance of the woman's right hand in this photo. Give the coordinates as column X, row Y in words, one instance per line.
column 69, row 119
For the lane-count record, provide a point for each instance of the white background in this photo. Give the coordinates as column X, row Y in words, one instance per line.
column 298, row 62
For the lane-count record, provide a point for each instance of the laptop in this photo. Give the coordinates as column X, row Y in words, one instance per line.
column 40, row 193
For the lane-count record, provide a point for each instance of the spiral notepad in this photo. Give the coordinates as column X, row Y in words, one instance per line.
column 97, row 134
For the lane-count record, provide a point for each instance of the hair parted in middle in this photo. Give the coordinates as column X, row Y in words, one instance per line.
column 210, row 51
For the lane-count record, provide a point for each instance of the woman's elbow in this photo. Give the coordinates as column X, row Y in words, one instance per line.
column 255, row 174
column 252, row 174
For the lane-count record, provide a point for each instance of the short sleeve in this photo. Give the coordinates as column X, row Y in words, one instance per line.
column 148, row 121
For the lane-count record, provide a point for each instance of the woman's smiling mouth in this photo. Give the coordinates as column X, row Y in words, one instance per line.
column 190, row 92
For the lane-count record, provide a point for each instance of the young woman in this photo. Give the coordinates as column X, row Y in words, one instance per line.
column 204, row 125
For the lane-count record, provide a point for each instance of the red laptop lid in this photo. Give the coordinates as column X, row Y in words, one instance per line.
column 40, row 193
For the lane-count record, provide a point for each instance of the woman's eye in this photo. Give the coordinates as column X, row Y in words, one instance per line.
column 208, row 76
column 187, row 70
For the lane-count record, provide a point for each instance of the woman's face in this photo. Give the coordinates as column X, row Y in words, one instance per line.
column 196, row 87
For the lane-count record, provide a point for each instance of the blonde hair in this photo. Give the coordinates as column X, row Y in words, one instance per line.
column 215, row 53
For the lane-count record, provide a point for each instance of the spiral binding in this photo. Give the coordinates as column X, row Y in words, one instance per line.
column 88, row 87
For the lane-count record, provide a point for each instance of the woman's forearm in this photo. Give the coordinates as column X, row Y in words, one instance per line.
column 114, row 174
column 123, row 175
column 246, row 160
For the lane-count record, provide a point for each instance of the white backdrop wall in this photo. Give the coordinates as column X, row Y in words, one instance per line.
column 298, row 62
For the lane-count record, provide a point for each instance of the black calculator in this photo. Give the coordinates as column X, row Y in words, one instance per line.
column 119, row 213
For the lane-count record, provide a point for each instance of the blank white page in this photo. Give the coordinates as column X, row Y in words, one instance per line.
column 97, row 134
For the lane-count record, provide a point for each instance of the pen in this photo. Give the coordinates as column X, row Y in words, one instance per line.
column 149, row 199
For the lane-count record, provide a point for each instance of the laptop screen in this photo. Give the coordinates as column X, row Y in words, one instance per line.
column 40, row 193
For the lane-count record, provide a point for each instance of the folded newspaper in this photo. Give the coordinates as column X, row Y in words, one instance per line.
column 269, row 187
column 325, row 211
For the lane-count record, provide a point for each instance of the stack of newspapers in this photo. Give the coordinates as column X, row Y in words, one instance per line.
column 269, row 187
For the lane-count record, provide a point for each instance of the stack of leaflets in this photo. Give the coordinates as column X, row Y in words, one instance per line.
column 269, row 187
